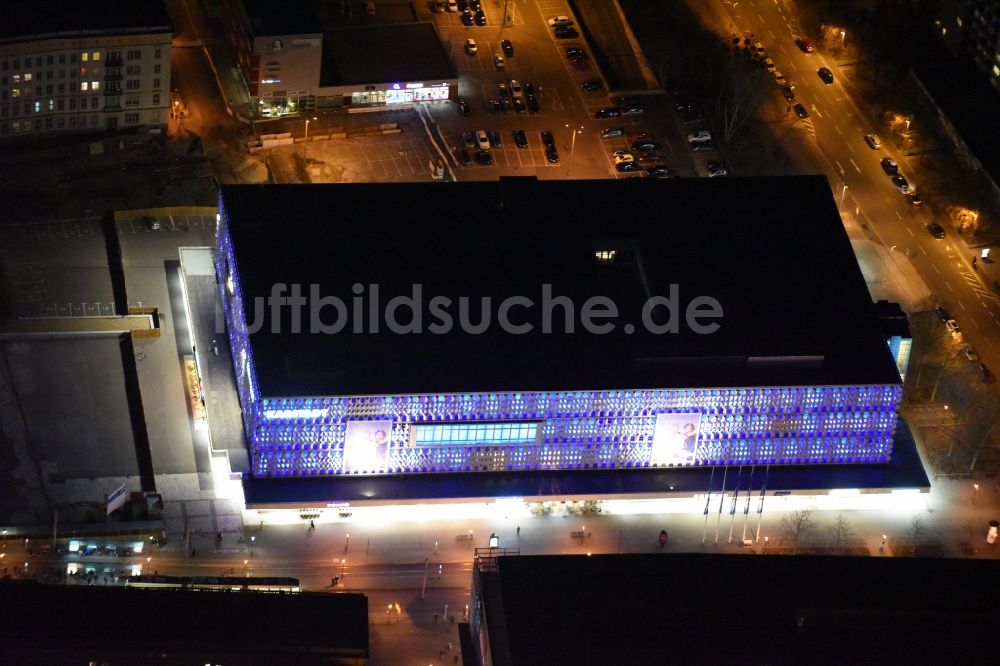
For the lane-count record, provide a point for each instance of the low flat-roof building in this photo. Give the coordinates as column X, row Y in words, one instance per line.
column 732, row 326
column 68, row 67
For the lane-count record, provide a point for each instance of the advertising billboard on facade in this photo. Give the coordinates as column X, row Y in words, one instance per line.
column 674, row 439
column 366, row 446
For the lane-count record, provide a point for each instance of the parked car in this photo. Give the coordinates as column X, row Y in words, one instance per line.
column 612, row 132
column 608, row 112
column 519, row 105
column 825, row 74
column 953, row 326
column 548, row 139
column 942, row 314
column 645, row 146
column 463, row 106
column 484, row 157
column 915, row 199
column 533, row 106
column 495, row 140
column 467, row 18
column 529, row 88
column 873, row 141
column 552, row 154
column 633, row 110
column 986, row 374
column 592, row 85
column 936, row 230
column 515, row 88
column 503, row 90
column 757, row 50
column 788, row 93
column 889, row 166
column 659, row 171
column 969, row 352
column 471, row 47
column 899, row 180
column 507, row 47
column 469, row 138
column 480, row 18
column 650, row 157
column 566, row 33
column 620, row 156
column 498, row 61
column 700, row 135
column 800, row 111
column 779, row 78
column 482, row 140
column 702, row 146
column 452, row 6
column 463, row 156
column 716, row 168
column 628, row 166
column 560, row 21
column 495, row 106
column 520, row 139
column 805, row 45
column 575, row 53
column 769, row 64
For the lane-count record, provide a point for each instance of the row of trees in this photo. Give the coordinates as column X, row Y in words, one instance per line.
column 797, row 525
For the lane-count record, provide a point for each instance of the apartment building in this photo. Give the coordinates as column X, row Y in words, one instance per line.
column 971, row 28
column 66, row 67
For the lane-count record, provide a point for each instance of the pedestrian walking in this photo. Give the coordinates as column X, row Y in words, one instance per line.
column 312, row 525
column 518, row 530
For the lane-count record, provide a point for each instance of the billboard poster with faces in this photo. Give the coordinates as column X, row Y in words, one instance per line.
column 674, row 439
column 366, row 446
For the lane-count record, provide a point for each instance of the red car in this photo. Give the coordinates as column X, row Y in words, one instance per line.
column 804, row 44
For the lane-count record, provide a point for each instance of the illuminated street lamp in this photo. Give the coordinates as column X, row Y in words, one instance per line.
column 766, row 539
column 881, row 548
column 388, row 612
column 347, row 542
column 843, row 35
column 343, row 564
column 842, row 195
column 307, row 127
column 975, row 491
column 246, row 568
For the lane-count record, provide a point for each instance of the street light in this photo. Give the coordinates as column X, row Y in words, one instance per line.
column 975, row 491
column 347, row 542
column 842, row 195
column 307, row 127
column 766, row 539
column 343, row 564
column 843, row 35
column 881, row 548
column 246, row 568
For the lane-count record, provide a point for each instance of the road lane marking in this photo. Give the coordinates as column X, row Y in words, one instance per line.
column 856, row 166
column 773, row 36
column 910, row 231
column 897, row 214
column 962, row 305
column 850, row 148
column 948, row 284
column 838, row 129
column 976, row 323
column 840, row 168
column 761, row 18
column 936, row 269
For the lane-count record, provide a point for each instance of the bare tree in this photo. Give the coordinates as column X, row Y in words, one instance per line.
column 917, row 531
column 796, row 524
column 840, row 529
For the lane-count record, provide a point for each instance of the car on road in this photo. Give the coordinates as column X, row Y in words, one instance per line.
column 915, row 199
column 612, row 132
column 757, row 50
column 788, row 93
column 463, row 106
column 467, row 18
column 645, row 146
column 592, row 85
column 942, row 314
column 622, row 156
column 483, row 157
column 953, row 326
column 825, row 74
column 779, row 78
column 480, row 18
column 889, row 166
column 548, row 139
column 659, row 171
column 899, row 180
column 805, row 45
column 936, row 230
column 507, row 47
column 483, row 140
column 969, row 352
column 800, row 111
column 986, row 374
column 463, row 156
column 628, row 166
column 700, row 135
column 716, row 168
column 769, row 64
column 560, row 21
column 701, row 146
column 471, row 47
column 529, row 88
column 873, row 141
column 520, row 139
column 498, row 61
column 608, row 112
column 533, row 106
column 551, row 154
column 495, row 140
column 566, row 33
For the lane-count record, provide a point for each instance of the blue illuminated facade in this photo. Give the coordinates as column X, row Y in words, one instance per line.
column 555, row 430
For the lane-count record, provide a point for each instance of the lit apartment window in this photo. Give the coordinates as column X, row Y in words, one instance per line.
column 84, row 57
column 96, row 56
column 16, row 78
column 95, row 85
column 996, row 70
column 84, row 85
column 605, row 256
column 15, row 92
column 27, row 76
column 38, row 107
column 52, row 104
column 84, row 71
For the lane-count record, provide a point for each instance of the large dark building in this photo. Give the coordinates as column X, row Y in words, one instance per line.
column 764, row 348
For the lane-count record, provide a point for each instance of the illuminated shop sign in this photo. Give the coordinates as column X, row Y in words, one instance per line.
column 273, row 414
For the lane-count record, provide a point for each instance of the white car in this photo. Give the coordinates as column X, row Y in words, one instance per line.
column 515, row 88
column 969, row 352
column 769, row 64
column 700, row 136
column 471, row 47
column 873, row 141
column 498, row 61
column 483, row 139
column 452, row 6
column 953, row 326
column 560, row 21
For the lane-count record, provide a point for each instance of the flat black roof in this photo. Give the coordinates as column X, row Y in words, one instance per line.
column 395, row 53
column 33, row 19
column 126, row 624
column 288, row 17
column 669, row 608
column 903, row 471
column 772, row 251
